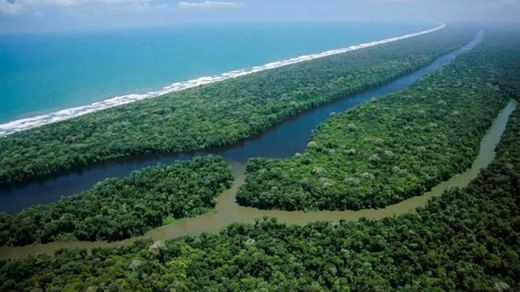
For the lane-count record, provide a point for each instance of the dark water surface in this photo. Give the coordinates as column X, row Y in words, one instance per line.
column 283, row 140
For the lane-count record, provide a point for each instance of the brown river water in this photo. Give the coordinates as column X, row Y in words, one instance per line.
column 227, row 211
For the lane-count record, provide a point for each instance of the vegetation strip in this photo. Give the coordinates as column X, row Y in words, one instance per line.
column 32, row 122
column 116, row 209
column 216, row 114
column 227, row 211
column 392, row 148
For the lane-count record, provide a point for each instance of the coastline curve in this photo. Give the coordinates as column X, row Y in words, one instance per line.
column 19, row 125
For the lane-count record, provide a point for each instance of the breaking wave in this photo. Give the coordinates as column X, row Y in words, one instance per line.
column 61, row 115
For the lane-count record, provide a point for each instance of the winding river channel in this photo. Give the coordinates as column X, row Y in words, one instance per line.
column 281, row 141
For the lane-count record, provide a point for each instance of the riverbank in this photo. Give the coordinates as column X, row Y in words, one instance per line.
column 227, row 211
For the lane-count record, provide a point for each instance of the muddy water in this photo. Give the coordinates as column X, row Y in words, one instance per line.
column 227, row 211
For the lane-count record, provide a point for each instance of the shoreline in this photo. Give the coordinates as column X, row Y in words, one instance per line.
column 65, row 114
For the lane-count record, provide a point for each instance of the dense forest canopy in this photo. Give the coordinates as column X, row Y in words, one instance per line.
column 464, row 240
column 121, row 208
column 467, row 239
column 392, row 148
column 216, row 114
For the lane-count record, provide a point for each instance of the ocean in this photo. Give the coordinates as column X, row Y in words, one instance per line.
column 46, row 72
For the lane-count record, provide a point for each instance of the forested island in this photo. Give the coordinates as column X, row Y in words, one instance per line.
column 217, row 114
column 390, row 149
column 379, row 153
column 120, row 208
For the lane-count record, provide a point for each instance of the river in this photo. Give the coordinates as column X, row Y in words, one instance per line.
column 289, row 138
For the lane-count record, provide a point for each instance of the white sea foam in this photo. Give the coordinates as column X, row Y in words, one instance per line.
column 33, row 122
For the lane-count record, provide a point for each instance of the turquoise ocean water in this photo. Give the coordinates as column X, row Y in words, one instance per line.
column 41, row 73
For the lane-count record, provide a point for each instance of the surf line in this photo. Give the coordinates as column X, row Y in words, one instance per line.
column 65, row 114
